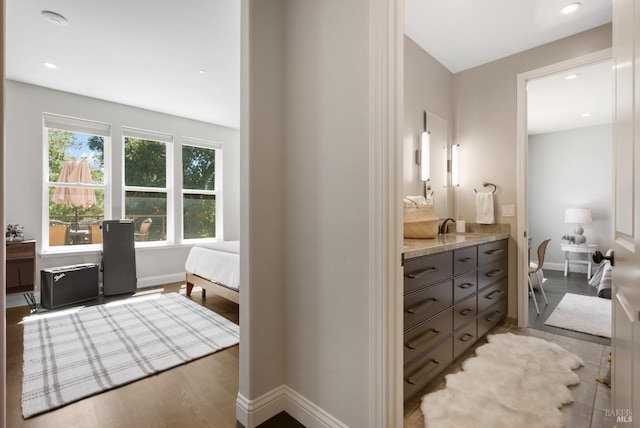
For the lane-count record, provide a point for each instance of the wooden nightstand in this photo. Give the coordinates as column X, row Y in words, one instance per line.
column 21, row 269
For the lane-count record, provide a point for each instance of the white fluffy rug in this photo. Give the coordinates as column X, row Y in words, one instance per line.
column 513, row 381
column 75, row 353
column 586, row 314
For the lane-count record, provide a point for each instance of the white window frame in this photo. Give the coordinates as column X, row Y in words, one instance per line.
column 217, row 191
column 168, row 189
column 84, row 126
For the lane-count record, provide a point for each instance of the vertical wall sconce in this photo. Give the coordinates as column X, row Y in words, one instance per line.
column 455, row 165
column 445, row 156
column 424, row 153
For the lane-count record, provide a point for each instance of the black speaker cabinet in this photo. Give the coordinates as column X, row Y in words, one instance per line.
column 118, row 257
column 67, row 285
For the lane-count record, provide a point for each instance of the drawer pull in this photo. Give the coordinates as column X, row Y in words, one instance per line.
column 422, row 339
column 465, row 259
column 466, row 337
column 493, row 294
column 466, row 311
column 496, row 251
column 417, row 380
column 465, row 285
column 495, row 272
column 490, row 317
column 423, row 272
column 422, row 306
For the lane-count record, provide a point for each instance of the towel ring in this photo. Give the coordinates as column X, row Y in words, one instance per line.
column 486, row 184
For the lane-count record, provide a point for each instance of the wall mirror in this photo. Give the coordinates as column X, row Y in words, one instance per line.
column 437, row 186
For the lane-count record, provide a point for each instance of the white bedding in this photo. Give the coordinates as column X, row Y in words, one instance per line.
column 218, row 262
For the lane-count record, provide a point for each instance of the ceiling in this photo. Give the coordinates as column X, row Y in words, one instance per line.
column 148, row 53
column 555, row 103
column 144, row 53
column 462, row 34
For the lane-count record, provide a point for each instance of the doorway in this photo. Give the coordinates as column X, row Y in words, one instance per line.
column 558, row 170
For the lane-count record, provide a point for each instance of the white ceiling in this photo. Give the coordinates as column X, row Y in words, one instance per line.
column 147, row 53
column 555, row 103
column 463, row 34
column 144, row 53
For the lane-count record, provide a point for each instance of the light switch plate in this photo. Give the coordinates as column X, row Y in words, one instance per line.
column 508, row 210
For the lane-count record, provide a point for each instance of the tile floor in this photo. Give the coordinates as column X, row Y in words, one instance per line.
column 591, row 399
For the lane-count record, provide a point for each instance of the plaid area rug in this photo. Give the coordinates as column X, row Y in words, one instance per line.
column 70, row 355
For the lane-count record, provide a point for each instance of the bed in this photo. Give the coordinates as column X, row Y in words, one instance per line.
column 601, row 280
column 216, row 267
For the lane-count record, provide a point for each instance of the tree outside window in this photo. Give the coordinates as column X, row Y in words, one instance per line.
column 199, row 192
column 145, row 166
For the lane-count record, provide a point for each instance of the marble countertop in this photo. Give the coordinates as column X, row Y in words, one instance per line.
column 422, row 247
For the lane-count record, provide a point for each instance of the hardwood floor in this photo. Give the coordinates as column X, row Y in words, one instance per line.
column 201, row 393
column 555, row 287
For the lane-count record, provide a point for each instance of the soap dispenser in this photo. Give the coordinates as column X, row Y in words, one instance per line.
column 460, row 225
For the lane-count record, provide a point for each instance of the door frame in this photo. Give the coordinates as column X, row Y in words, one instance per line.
column 522, row 141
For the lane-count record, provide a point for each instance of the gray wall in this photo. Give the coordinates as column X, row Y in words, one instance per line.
column 428, row 86
column 570, row 169
column 305, row 188
column 485, row 127
column 24, row 153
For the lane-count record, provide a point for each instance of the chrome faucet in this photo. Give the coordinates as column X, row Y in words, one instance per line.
column 443, row 226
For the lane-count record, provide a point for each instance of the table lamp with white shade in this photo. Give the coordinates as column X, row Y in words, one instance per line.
column 578, row 216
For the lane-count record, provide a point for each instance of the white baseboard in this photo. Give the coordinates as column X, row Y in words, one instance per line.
column 573, row 267
column 252, row 413
column 17, row 300
column 152, row 281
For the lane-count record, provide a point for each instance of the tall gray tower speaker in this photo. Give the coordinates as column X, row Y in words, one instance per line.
column 118, row 257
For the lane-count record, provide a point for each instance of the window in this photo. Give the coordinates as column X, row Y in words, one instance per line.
column 146, row 186
column 75, row 180
column 199, row 189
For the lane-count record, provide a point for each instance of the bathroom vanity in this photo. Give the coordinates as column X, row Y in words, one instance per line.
column 455, row 291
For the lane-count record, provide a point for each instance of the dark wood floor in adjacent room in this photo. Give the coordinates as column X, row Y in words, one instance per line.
column 555, row 287
column 201, row 393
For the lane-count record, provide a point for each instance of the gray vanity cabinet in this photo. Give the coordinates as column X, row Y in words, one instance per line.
column 451, row 299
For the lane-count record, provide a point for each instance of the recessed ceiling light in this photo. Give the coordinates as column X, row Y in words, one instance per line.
column 49, row 64
column 570, row 8
column 202, row 71
column 586, row 114
column 54, row 18
column 571, row 76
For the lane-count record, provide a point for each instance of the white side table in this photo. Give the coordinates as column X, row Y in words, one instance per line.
column 577, row 248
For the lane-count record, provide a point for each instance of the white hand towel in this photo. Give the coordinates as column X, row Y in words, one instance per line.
column 484, row 208
column 416, row 200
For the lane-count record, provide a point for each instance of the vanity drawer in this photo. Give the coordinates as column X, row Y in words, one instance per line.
column 491, row 317
column 492, row 272
column 427, row 334
column 492, row 294
column 427, row 302
column 463, row 339
column 427, row 270
column 465, row 259
column 427, row 367
column 492, row 251
column 464, row 286
column 464, row 312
